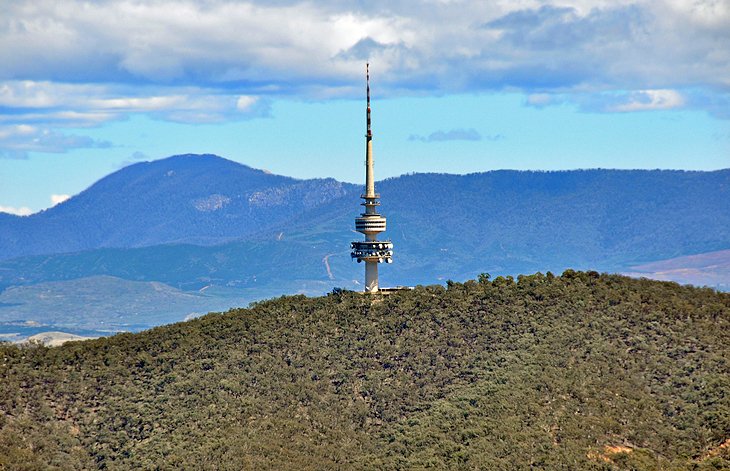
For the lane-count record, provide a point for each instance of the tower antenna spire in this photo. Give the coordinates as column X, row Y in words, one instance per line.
column 367, row 86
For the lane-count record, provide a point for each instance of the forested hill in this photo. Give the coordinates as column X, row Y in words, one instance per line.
column 581, row 371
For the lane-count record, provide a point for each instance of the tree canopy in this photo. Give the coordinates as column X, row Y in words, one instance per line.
column 579, row 371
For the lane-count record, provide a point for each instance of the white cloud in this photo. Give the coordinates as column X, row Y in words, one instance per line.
column 455, row 135
column 77, row 63
column 247, row 46
column 17, row 140
column 245, row 102
column 21, row 211
column 171, row 40
column 40, row 108
column 645, row 100
column 540, row 100
column 153, row 103
column 56, row 199
column 88, row 105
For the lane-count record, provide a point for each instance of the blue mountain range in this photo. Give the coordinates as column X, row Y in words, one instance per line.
column 201, row 222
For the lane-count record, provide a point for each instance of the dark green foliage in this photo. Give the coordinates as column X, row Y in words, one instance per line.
column 582, row 371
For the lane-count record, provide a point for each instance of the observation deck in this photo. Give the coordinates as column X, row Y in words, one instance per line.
column 372, row 251
column 371, row 223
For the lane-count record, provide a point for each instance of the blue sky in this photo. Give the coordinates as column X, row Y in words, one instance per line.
column 86, row 88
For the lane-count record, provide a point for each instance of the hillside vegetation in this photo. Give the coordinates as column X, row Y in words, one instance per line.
column 581, row 371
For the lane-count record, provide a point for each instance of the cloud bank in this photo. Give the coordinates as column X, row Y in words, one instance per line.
column 69, row 63
column 19, row 139
column 453, row 135
column 21, row 211
column 58, row 199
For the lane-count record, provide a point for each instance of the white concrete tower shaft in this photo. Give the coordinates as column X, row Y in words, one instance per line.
column 371, row 250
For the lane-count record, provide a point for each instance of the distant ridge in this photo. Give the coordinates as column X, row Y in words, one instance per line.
column 201, row 199
column 194, row 220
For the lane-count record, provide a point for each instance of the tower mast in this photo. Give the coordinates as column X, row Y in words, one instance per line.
column 369, row 178
column 371, row 250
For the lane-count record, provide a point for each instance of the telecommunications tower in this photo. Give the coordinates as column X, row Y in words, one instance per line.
column 371, row 250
